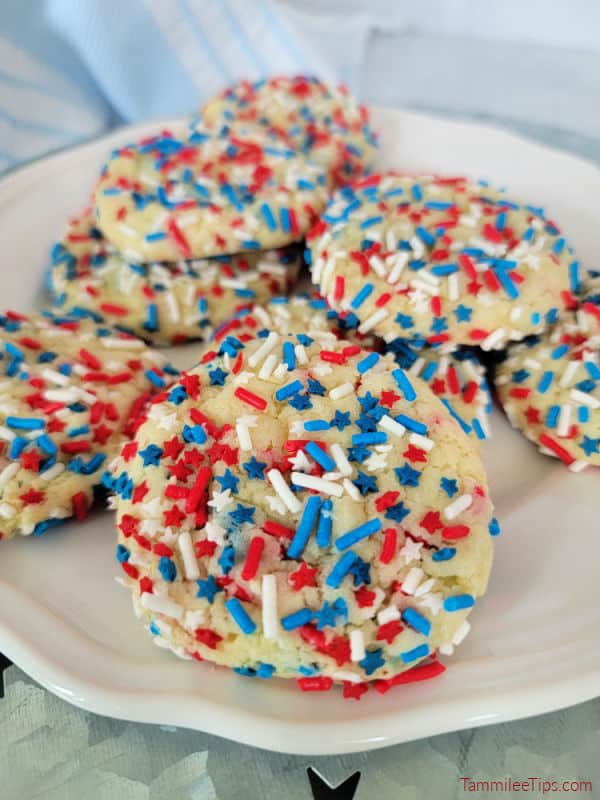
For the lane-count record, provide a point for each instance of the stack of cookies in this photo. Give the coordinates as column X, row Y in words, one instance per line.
column 308, row 499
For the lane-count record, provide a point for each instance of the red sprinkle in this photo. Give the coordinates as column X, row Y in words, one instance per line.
column 255, row 549
column 278, row 530
column 197, row 490
column 556, row 448
column 388, row 549
column 250, row 398
column 455, row 532
column 320, row 683
column 421, row 673
column 179, row 240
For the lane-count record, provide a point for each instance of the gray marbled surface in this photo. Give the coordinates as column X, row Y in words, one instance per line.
column 52, row 751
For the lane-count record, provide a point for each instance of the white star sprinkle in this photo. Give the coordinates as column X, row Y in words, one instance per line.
column 275, row 504
column 411, row 550
column 300, row 462
column 220, row 500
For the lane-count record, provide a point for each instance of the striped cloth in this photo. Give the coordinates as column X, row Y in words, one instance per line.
column 72, row 69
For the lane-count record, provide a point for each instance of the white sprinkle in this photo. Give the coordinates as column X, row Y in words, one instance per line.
column 172, row 307
column 215, row 532
column 461, row 633
column 194, row 619
column 456, row 507
column 267, row 368
column 388, row 614
column 389, row 424
column 390, row 240
column 161, row 605
column 564, row 420
column 55, row 377
column 341, row 461
column 186, row 548
column 412, row 580
column 243, row 434
column 351, row 490
column 396, row 271
column 584, row 399
column 270, row 620
column 424, row 587
column 264, row 350
column 283, row 491
column 377, row 265
column 375, row 318
column 301, row 355
column 423, row 442
column 578, row 466
column 316, row 483
column 341, row 391
column 122, row 344
column 453, row 288
column 6, row 434
column 9, row 472
column 568, row 374
column 494, row 340
column 357, row 645
column 52, row 472
column 7, row 511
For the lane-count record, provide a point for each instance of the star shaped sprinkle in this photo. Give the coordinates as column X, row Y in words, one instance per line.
column 449, row 486
column 372, row 661
column 303, row 576
column 220, row 500
column 300, row 402
column 361, row 570
column 358, row 453
column 151, row 455
column 462, row 313
column 365, row 483
column 407, row 476
column 242, row 514
column 432, row 521
column 376, row 462
column 228, row 481
column 217, row 377
column 208, row 588
column 397, row 512
column 411, row 550
column 341, row 420
column 389, row 398
column 255, row 468
column 389, row 630
column 589, row 446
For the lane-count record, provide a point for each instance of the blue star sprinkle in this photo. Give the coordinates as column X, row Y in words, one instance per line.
column 242, row 514
column 366, row 483
column 407, row 476
column 341, row 420
column 254, row 468
column 208, row 588
column 463, row 313
column 372, row 661
column 449, row 486
column 151, row 455
column 217, row 377
column 228, row 481
column 397, row 512
column 589, row 446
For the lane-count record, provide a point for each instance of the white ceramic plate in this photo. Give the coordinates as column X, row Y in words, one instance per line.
column 535, row 644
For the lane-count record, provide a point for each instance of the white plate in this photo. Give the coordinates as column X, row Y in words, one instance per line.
column 535, row 644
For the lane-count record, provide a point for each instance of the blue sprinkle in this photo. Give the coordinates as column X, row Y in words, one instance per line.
column 156, row 237
column 43, row 526
column 442, row 270
column 325, row 522
column 18, row 444
column 558, row 246
column 154, row 378
column 367, row 363
column 305, row 526
column 412, row 424
column 316, row 425
column 268, row 217
column 552, row 416
column 545, row 381
column 123, row 553
column 284, row 217
column 376, row 437
column 574, row 280
column 416, row 621
column 167, row 569
column 356, row 534
column 366, row 223
column 421, row 651
column 507, row 284
column 559, row 351
column 362, row 295
column 25, row 423
column 494, row 527
column 437, row 205
column 45, row 443
column 417, row 193
column 151, row 321
column 458, row 602
column 341, row 569
column 476, row 425
column 297, row 619
column 583, row 414
column 289, row 355
column 404, row 385
column 240, row 616
column 320, row 456
column 444, row 554
column 288, row 390
column 425, row 236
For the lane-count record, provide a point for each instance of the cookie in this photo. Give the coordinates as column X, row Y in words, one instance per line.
column 69, row 397
column 169, row 198
column 318, row 516
column 549, row 387
column 321, row 121
column 457, row 378
column 163, row 303
column 435, row 260
column 302, row 312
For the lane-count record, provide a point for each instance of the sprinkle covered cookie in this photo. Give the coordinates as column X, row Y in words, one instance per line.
column 69, row 396
column 549, row 387
column 167, row 198
column 161, row 302
column 457, row 378
column 323, row 122
column 433, row 260
column 297, row 510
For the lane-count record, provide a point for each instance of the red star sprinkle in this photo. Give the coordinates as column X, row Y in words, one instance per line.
column 205, row 548
column 303, row 576
column 174, row 516
column 207, row 637
column 139, row 492
column 432, row 521
column 55, row 425
column 389, row 631
column 364, row 597
column 129, row 450
column 31, row 460
column 415, row 453
column 339, row 649
column 438, row 386
column 102, row 434
column 354, row 690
